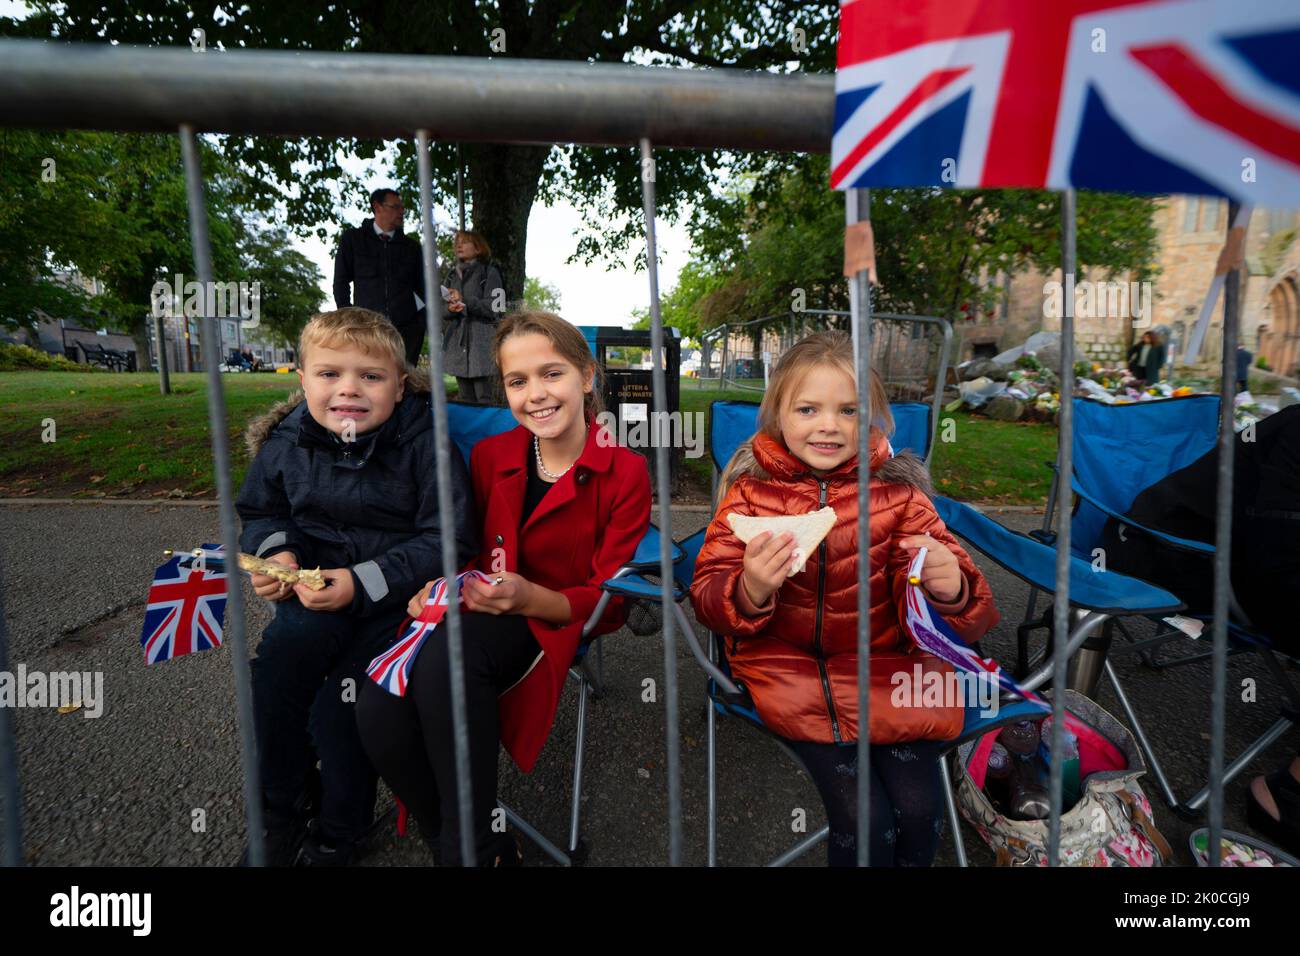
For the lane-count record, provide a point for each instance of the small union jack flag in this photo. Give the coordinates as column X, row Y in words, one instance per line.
column 391, row 670
column 1150, row 96
column 934, row 635
column 186, row 607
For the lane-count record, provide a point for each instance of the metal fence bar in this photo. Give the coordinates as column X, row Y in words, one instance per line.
column 11, row 798
column 659, row 385
column 306, row 93
column 1223, row 545
column 858, row 209
column 1065, row 468
column 446, row 510
column 233, row 632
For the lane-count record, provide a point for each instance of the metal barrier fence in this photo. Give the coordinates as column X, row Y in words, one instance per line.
column 150, row 89
column 910, row 354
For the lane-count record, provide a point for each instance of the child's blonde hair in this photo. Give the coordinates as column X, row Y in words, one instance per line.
column 567, row 340
column 353, row 328
column 819, row 350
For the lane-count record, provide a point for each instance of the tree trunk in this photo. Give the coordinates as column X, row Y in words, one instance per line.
column 137, row 324
column 503, row 181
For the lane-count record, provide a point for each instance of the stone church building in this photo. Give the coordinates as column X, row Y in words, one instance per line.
column 1191, row 233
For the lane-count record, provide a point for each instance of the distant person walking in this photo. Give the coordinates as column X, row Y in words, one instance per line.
column 1244, row 358
column 378, row 267
column 1146, row 357
column 477, row 303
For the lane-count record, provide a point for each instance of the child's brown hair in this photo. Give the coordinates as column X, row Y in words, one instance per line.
column 566, row 339
column 821, row 349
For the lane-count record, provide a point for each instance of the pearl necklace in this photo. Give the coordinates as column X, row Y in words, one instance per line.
column 537, row 450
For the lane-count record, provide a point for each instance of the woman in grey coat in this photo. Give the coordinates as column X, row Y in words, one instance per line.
column 477, row 303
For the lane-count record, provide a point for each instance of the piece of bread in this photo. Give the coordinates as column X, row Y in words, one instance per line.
column 808, row 531
column 253, row 565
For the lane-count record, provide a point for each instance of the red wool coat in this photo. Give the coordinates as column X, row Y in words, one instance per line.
column 799, row 659
column 585, row 529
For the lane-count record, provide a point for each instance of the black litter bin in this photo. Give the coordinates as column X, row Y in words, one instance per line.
column 629, row 395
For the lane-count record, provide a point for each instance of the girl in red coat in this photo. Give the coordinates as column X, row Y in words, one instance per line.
column 792, row 640
column 563, row 508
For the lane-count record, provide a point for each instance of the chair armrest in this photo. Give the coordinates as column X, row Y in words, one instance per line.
column 636, row 586
column 646, row 557
column 1183, row 544
column 1035, row 563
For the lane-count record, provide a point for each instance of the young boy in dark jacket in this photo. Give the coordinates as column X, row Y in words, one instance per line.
column 343, row 479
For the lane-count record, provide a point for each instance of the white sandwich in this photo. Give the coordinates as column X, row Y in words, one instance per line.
column 808, row 531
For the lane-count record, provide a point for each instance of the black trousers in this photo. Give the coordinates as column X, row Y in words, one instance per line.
column 906, row 800
column 410, row 739
column 413, row 337
column 308, row 671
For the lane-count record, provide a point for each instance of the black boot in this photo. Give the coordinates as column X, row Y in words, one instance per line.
column 281, row 838
column 320, row 849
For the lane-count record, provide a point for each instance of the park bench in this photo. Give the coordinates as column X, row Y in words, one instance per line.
column 114, row 359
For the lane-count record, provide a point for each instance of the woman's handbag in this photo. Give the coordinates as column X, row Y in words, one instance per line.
column 1111, row 825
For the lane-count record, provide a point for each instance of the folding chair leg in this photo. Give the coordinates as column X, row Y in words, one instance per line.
column 711, row 736
column 579, row 752
column 1029, row 625
column 528, row 830
column 802, row 847
column 1270, row 736
column 950, row 801
column 1140, row 734
column 1192, row 808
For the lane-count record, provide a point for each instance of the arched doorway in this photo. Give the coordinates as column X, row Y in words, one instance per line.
column 1280, row 345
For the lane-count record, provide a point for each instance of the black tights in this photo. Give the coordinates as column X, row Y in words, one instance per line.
column 410, row 739
column 906, row 800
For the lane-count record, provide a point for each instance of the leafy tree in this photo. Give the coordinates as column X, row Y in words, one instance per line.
column 541, row 295
column 502, row 181
column 53, row 213
column 146, row 190
column 290, row 286
column 775, row 241
column 695, row 283
column 112, row 206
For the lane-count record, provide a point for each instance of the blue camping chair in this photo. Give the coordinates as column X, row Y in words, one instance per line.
column 468, row 424
column 730, row 424
column 1119, row 451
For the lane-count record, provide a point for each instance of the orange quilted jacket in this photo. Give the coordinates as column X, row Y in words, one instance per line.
column 799, row 657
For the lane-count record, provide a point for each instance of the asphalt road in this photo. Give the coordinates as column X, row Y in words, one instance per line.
column 132, row 786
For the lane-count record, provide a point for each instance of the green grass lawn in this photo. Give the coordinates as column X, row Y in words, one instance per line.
column 116, row 435
column 993, row 461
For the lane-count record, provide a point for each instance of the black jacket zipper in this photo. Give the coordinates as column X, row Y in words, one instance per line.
column 817, row 634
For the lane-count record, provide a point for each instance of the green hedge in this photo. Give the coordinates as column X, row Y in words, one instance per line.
column 20, row 358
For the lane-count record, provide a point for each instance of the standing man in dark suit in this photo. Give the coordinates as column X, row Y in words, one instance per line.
column 385, row 271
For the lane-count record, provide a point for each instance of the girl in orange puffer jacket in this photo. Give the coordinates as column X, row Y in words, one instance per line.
column 792, row 641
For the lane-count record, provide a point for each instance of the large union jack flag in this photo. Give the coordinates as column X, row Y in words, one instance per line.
column 1153, row 96
column 186, row 606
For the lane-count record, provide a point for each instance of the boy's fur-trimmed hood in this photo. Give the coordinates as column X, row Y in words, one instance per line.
column 904, row 468
column 260, row 428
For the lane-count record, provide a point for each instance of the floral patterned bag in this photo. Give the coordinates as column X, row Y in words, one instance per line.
column 1111, row 825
